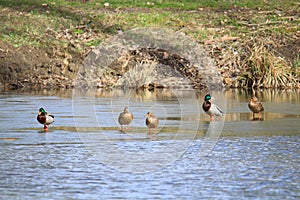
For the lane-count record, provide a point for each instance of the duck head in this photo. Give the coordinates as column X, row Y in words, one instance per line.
column 253, row 99
column 150, row 114
column 207, row 97
column 126, row 109
column 42, row 111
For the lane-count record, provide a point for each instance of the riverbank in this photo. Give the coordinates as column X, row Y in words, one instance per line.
column 43, row 44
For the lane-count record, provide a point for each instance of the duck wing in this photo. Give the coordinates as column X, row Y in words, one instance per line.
column 49, row 119
column 216, row 110
column 261, row 108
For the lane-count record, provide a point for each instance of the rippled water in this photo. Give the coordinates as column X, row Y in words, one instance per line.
column 84, row 155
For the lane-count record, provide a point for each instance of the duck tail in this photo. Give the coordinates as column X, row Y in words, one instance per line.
column 221, row 111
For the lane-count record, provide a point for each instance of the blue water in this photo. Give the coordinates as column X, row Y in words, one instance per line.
column 249, row 160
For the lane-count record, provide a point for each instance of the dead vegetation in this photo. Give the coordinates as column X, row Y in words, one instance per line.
column 141, row 75
column 254, row 63
column 147, row 68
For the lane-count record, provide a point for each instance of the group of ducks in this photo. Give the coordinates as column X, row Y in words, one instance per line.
column 213, row 110
column 125, row 117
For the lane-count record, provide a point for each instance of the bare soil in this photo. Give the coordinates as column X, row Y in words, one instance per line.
column 38, row 68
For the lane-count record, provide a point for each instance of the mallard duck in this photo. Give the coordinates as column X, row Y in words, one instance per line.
column 45, row 118
column 210, row 108
column 255, row 106
column 125, row 117
column 151, row 121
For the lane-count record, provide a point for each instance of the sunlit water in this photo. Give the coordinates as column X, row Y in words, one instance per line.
column 84, row 155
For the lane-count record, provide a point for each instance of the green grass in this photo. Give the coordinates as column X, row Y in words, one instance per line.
column 27, row 22
column 163, row 4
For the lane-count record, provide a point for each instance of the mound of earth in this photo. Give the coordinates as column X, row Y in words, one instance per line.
column 34, row 68
column 149, row 57
column 155, row 68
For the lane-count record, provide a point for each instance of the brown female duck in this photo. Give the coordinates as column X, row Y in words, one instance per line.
column 255, row 106
column 151, row 121
column 125, row 117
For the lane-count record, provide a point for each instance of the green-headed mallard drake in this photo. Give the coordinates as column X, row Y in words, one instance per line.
column 151, row 121
column 45, row 118
column 255, row 106
column 210, row 108
column 125, row 117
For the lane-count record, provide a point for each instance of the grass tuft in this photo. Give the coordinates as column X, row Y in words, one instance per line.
column 139, row 76
column 254, row 64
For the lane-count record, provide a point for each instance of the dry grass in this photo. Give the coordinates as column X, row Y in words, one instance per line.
column 139, row 76
column 254, row 64
column 268, row 70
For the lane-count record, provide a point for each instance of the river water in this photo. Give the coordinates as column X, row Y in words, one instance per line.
column 84, row 155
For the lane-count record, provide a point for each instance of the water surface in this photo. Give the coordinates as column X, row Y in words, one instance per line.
column 84, row 155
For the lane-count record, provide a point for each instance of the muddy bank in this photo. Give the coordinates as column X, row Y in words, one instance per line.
column 31, row 67
column 53, row 68
column 149, row 58
column 185, row 65
column 35, row 69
